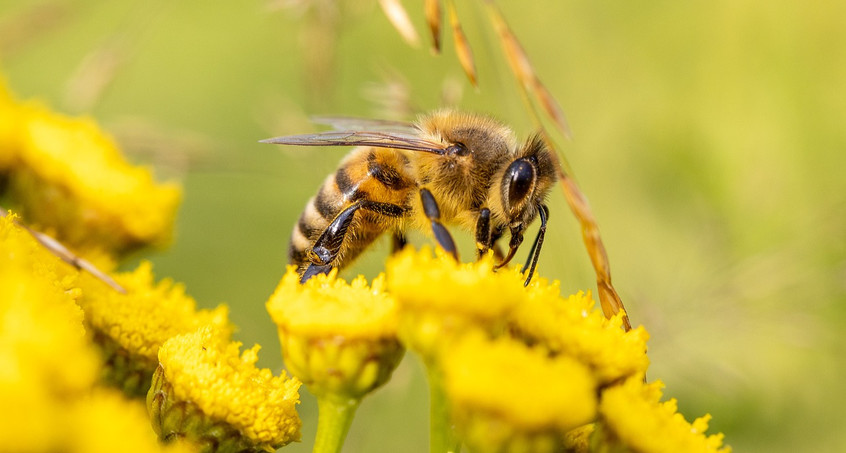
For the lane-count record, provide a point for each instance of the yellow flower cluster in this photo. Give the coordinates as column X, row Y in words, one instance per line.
column 507, row 397
column 440, row 297
column 588, row 336
column 130, row 328
column 523, row 369
column 65, row 175
column 205, row 369
column 637, row 418
column 48, row 367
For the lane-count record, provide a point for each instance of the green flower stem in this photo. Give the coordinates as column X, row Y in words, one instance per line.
column 335, row 415
column 442, row 438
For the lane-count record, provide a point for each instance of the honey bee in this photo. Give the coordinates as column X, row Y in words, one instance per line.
column 448, row 168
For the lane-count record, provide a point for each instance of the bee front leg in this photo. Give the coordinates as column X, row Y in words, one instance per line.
column 534, row 253
column 483, row 232
column 433, row 213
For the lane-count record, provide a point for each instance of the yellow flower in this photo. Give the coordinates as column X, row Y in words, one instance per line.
column 633, row 413
column 506, row 396
column 440, row 297
column 105, row 422
column 65, row 174
column 130, row 328
column 45, row 358
column 8, row 128
column 338, row 338
column 574, row 327
column 204, row 389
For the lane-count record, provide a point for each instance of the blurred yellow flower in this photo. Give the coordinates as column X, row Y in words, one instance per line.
column 105, row 421
column 130, row 328
column 506, row 396
column 206, row 371
column 573, row 326
column 66, row 175
column 337, row 337
column 44, row 356
column 633, row 413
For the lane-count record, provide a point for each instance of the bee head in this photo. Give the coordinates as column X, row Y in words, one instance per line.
column 526, row 181
column 523, row 187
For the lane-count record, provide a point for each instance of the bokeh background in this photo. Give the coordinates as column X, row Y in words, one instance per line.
column 709, row 137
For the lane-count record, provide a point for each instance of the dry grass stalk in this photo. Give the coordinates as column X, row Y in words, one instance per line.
column 398, row 17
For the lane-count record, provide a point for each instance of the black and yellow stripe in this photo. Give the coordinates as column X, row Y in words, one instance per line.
column 380, row 178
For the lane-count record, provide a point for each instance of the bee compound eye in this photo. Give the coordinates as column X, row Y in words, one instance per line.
column 518, row 182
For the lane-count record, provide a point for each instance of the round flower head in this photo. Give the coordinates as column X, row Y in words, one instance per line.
column 440, row 297
column 130, row 328
column 338, row 338
column 95, row 198
column 506, row 396
column 573, row 326
column 206, row 392
column 634, row 414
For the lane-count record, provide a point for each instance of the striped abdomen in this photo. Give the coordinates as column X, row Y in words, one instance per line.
column 372, row 174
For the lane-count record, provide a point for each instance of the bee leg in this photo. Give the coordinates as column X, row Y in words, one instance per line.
column 433, row 213
column 398, row 242
column 326, row 248
column 328, row 245
column 534, row 253
column 483, row 232
column 315, row 269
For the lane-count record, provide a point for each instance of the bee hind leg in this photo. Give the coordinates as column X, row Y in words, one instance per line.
column 315, row 269
column 433, row 213
column 323, row 255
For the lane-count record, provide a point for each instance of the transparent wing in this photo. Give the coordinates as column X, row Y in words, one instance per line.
column 349, row 123
column 395, row 140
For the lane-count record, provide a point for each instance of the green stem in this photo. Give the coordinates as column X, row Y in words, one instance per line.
column 442, row 438
column 335, row 416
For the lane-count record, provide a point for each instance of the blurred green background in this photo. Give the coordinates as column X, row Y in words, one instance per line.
column 708, row 136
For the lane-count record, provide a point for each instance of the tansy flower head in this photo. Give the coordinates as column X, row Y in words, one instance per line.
column 66, row 175
column 130, row 328
column 440, row 297
column 338, row 338
column 506, row 396
column 207, row 392
column 633, row 413
column 573, row 326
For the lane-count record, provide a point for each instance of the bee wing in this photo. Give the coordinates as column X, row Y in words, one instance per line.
column 395, row 140
column 349, row 123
